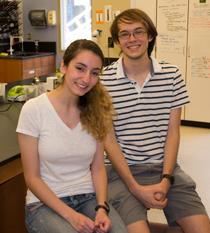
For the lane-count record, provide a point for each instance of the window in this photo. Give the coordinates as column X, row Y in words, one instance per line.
column 75, row 21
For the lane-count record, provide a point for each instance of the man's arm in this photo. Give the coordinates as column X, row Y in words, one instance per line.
column 172, row 143
column 146, row 194
column 170, row 151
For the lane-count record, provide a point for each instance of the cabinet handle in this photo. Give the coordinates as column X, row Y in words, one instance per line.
column 31, row 71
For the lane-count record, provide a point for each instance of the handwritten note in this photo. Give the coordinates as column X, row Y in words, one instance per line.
column 171, row 43
column 200, row 67
column 172, row 14
column 172, row 26
column 200, row 16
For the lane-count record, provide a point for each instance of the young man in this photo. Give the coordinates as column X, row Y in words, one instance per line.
column 143, row 145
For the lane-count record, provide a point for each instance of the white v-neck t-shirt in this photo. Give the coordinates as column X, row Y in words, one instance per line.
column 65, row 154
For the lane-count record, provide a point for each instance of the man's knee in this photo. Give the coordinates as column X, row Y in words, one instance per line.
column 163, row 228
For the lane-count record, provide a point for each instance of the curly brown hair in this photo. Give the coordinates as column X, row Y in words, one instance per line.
column 96, row 110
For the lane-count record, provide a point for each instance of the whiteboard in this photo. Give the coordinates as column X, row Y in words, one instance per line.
column 198, row 62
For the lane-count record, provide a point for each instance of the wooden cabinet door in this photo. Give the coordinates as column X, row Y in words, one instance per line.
column 2, row 71
column 10, row 70
column 29, row 69
column 12, row 198
column 13, row 70
column 17, row 69
column 47, row 65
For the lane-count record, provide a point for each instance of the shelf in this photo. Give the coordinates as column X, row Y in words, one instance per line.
column 9, row 22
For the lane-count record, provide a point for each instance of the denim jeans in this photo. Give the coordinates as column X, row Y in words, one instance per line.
column 42, row 219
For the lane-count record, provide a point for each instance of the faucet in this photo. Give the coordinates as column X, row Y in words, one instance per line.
column 12, row 42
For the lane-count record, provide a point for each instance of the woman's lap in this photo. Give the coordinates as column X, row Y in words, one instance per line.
column 41, row 219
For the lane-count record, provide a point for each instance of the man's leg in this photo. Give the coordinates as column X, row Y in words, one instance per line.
column 164, row 228
column 132, row 212
column 153, row 228
column 195, row 224
column 185, row 206
column 140, row 226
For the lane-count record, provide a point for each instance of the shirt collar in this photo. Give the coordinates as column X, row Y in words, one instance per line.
column 120, row 70
column 156, row 67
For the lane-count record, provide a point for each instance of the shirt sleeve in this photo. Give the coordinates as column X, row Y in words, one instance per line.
column 180, row 95
column 29, row 119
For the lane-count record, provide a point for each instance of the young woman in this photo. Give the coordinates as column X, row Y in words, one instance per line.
column 60, row 135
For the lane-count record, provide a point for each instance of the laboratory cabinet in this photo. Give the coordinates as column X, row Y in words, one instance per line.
column 12, row 198
column 12, row 184
column 10, row 15
column 14, row 69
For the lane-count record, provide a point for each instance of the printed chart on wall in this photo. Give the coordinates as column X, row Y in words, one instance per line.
column 172, row 32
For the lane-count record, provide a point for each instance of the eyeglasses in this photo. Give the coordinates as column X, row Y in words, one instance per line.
column 138, row 33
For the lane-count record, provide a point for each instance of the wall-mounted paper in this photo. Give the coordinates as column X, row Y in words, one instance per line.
column 108, row 13
column 99, row 16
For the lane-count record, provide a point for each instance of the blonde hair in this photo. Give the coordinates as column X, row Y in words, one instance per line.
column 96, row 111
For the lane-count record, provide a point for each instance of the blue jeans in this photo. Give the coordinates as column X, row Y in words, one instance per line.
column 42, row 219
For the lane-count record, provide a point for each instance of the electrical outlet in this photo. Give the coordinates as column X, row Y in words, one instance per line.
column 110, row 42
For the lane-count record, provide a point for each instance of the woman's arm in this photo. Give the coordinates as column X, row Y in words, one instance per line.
column 118, row 160
column 99, row 177
column 30, row 161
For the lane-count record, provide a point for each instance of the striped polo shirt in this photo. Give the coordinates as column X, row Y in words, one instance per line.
column 143, row 112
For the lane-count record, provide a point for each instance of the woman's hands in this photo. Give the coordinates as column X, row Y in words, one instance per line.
column 81, row 223
column 84, row 224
